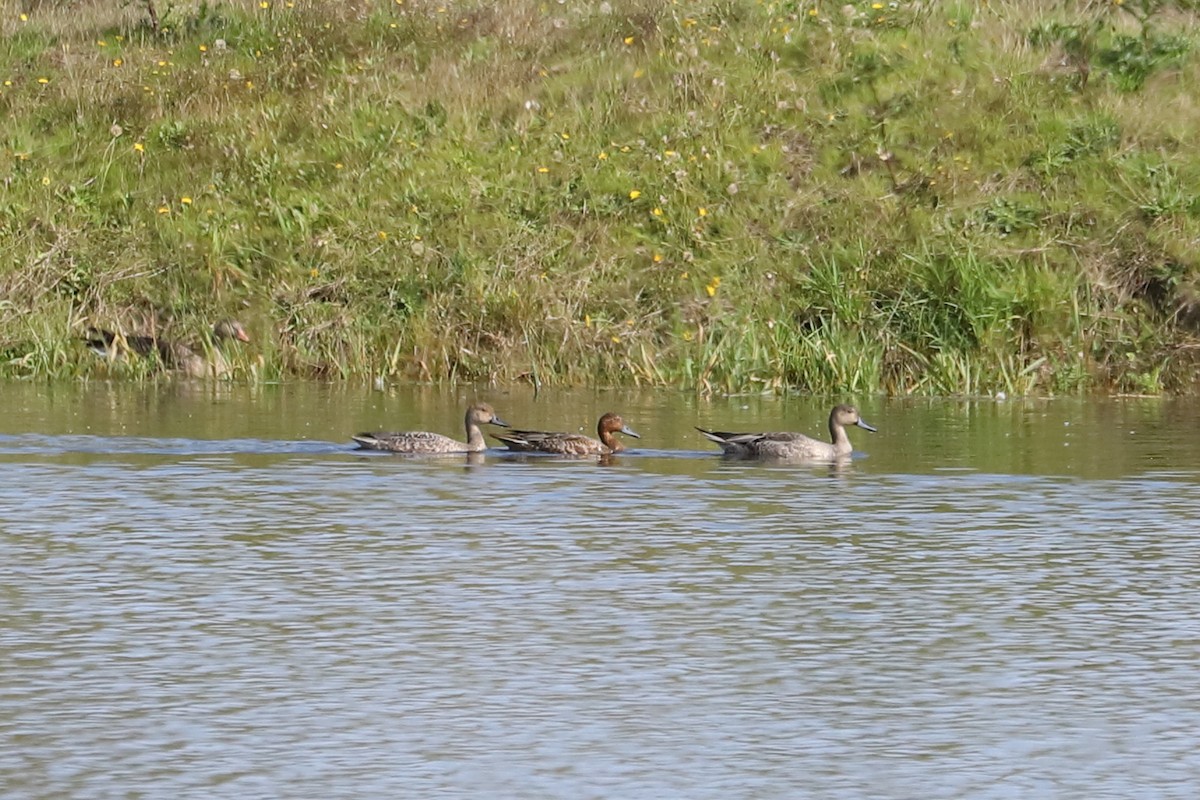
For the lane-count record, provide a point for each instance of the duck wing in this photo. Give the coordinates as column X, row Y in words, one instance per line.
column 104, row 341
column 409, row 442
column 566, row 444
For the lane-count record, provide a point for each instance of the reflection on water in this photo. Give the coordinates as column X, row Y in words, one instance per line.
column 214, row 595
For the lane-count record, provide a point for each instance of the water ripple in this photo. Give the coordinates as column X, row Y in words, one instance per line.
column 264, row 619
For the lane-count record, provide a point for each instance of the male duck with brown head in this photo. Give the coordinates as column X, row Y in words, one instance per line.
column 571, row 444
column 793, row 446
column 426, row 443
column 201, row 361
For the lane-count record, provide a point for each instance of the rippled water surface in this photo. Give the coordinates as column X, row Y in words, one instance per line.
column 207, row 593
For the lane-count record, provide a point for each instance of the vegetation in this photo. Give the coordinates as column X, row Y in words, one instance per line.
column 907, row 197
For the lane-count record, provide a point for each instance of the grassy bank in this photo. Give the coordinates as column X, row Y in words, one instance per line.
column 831, row 197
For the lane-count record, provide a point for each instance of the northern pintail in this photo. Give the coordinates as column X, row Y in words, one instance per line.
column 793, row 446
column 195, row 361
column 571, row 444
column 423, row 442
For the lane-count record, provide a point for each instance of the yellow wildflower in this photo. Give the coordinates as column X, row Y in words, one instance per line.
column 658, row 212
column 264, row 4
column 164, row 210
column 339, row 165
column 543, row 170
column 628, row 40
column 635, row 194
column 187, row 201
column 658, row 257
column 382, row 236
column 116, row 62
column 138, row 147
column 203, row 48
column 702, row 211
column 603, row 156
column 45, row 180
column 43, row 80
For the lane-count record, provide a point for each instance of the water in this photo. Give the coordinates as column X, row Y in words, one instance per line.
column 204, row 592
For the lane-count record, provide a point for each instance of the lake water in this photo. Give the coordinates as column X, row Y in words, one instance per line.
column 206, row 592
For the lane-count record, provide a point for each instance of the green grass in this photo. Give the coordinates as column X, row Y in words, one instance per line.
column 916, row 198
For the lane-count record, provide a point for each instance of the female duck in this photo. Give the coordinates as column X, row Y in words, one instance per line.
column 571, row 444
column 793, row 446
column 423, row 442
column 195, row 361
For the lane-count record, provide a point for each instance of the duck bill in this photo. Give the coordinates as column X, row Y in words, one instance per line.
column 500, row 422
column 864, row 425
column 628, row 431
column 241, row 336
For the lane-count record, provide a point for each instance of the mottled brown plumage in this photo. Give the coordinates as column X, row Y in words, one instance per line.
column 571, row 444
column 195, row 361
column 426, row 443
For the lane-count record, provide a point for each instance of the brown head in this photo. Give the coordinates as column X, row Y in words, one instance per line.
column 845, row 415
column 230, row 329
column 609, row 424
column 482, row 414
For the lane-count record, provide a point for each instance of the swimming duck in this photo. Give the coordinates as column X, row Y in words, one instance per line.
column 423, row 442
column 793, row 446
column 571, row 444
column 172, row 354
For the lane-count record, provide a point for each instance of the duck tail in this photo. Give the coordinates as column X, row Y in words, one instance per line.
column 713, row 436
column 99, row 341
column 513, row 440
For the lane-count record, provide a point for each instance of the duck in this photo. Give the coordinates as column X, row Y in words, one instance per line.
column 172, row 354
column 571, row 444
column 424, row 442
column 793, row 446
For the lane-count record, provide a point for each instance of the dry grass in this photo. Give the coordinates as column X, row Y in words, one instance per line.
column 914, row 198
